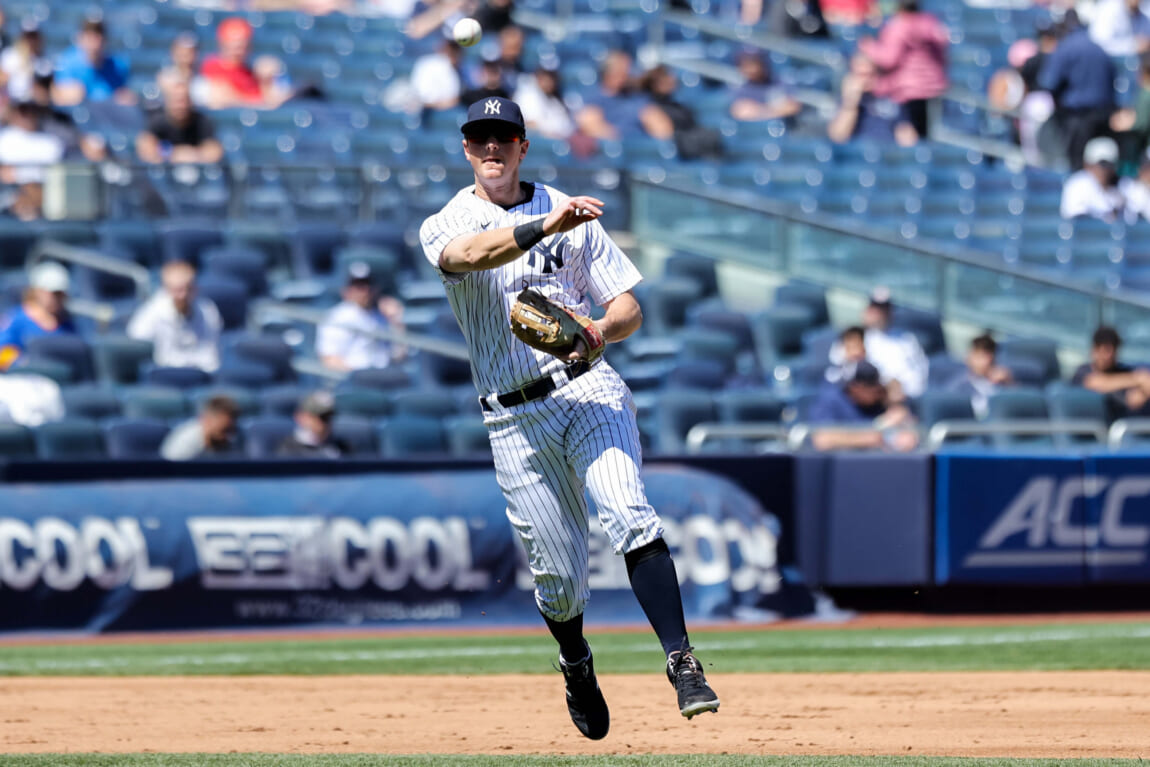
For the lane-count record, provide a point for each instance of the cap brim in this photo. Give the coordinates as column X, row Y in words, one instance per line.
column 491, row 123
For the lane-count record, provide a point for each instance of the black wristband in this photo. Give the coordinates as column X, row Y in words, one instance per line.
column 528, row 235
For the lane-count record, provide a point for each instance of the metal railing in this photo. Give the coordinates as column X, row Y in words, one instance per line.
column 701, row 433
column 1071, row 427
column 1124, row 426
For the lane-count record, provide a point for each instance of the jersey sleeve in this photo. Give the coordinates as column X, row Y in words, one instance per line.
column 437, row 231
column 610, row 272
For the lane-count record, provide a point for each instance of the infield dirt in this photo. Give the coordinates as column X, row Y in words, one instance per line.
column 1031, row 714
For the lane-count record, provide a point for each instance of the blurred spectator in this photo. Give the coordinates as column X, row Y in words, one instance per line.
column 757, row 98
column 1080, row 77
column 232, row 82
column 1127, row 388
column 275, row 85
column 430, row 15
column 613, row 112
column 59, row 123
column 87, row 72
column 184, row 330
column 1120, row 27
column 490, row 83
column 435, row 77
column 210, row 434
column 1132, row 124
column 861, row 400
column 312, row 437
column 665, row 117
column 42, row 312
column 850, row 13
column 910, row 51
column 853, row 345
column 790, row 18
column 896, row 353
column 344, row 340
column 20, row 62
column 26, row 149
column 1136, row 192
column 179, row 133
column 864, row 115
column 511, row 41
column 540, row 97
column 185, row 53
column 494, row 15
column 1093, row 191
column 982, row 376
column 29, row 399
column 1016, row 87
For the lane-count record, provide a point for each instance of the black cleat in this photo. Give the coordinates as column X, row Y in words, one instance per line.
column 584, row 700
column 686, row 675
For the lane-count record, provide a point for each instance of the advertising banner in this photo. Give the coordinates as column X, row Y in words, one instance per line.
column 361, row 549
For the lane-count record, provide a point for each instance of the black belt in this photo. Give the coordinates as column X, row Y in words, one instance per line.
column 537, row 389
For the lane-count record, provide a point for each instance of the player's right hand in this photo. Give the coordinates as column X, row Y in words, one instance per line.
column 572, row 212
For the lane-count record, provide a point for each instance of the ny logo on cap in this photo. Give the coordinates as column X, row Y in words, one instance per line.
column 491, row 107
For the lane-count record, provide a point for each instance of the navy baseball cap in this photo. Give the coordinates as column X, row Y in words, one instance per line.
column 492, row 111
column 865, row 373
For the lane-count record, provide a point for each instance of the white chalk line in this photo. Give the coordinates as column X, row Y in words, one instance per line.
column 774, row 641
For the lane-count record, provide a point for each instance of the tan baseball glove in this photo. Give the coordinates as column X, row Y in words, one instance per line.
column 543, row 324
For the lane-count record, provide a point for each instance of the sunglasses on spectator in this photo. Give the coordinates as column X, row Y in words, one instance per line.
column 506, row 137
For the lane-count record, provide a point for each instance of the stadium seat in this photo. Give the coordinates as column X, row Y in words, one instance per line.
column 16, row 441
column 314, row 245
column 238, row 262
column 433, row 402
column 177, row 378
column 162, row 403
column 467, row 436
column 697, row 374
column 1072, row 402
column 405, row 436
column 808, row 294
column 187, row 239
column 926, row 326
column 267, row 350
column 714, row 345
column 665, row 301
column 262, row 435
column 70, row 350
column 245, row 374
column 247, row 401
column 136, row 438
column 137, row 237
column 90, row 402
column 779, row 333
column 283, row 400
column 676, row 411
column 70, row 439
column 1044, row 351
column 362, row 401
column 119, row 359
column 358, row 432
column 699, row 269
column 388, row 378
column 935, row 406
column 230, row 296
column 747, row 405
column 1018, row 404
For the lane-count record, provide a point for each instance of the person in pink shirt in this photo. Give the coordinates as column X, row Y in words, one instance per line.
column 910, row 52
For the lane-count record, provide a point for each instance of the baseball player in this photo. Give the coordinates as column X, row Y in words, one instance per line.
column 558, row 423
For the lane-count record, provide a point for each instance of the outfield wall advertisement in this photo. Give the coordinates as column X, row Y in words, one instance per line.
column 363, row 549
column 1070, row 520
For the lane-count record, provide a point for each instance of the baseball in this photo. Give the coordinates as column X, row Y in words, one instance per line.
column 467, row 32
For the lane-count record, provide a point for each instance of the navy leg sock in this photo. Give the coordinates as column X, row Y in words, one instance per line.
column 653, row 579
column 569, row 635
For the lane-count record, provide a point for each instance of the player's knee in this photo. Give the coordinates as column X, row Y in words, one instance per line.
column 560, row 598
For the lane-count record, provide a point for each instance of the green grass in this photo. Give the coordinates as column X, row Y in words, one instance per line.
column 369, row 760
column 1051, row 647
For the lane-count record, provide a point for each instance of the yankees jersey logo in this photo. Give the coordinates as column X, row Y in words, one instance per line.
column 552, row 259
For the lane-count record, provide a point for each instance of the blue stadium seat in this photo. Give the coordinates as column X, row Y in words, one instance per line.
column 467, row 436
column 70, row 350
column 283, row 400
column 358, row 432
column 177, row 378
column 163, row 403
column 268, row 350
column 247, row 401
column 70, row 439
column 700, row 269
column 389, row 378
column 262, row 435
column 706, row 344
column 676, row 411
column 745, row 405
column 926, row 326
column 362, row 401
column 16, row 441
column 90, row 402
column 808, row 294
column 1072, row 402
column 433, row 402
column 405, row 436
column 665, row 301
column 245, row 374
column 779, row 333
column 230, row 296
column 136, row 438
column 697, row 374
column 187, row 239
column 1043, row 351
column 119, row 359
column 1018, row 404
column 935, row 406
column 238, row 262
column 314, row 245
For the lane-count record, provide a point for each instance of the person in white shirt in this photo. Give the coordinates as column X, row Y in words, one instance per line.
column 19, row 62
column 541, row 100
column 1093, row 191
column 435, row 77
column 896, row 353
column 346, row 340
column 184, row 330
column 1136, row 192
column 1120, row 27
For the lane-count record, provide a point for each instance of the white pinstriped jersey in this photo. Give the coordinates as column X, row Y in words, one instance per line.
column 573, row 268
